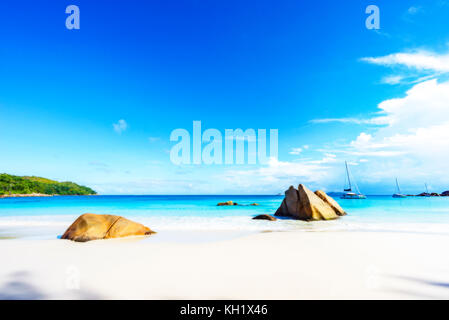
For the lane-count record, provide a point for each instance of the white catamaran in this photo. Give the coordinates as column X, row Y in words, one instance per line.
column 349, row 193
column 398, row 194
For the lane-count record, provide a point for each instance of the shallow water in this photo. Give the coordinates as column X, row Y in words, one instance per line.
column 182, row 216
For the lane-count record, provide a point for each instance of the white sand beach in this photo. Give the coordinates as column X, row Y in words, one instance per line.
column 271, row 265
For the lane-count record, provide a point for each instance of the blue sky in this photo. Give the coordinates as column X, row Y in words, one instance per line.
column 335, row 90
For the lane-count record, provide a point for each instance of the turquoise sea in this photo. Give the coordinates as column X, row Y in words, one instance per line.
column 48, row 217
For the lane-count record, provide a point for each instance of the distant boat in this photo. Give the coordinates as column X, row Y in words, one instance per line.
column 398, row 194
column 348, row 192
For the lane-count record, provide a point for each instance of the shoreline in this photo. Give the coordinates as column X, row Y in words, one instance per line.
column 26, row 195
column 271, row 265
column 38, row 195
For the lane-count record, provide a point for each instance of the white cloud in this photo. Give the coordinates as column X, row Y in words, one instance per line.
column 343, row 120
column 410, row 79
column 392, row 79
column 295, row 151
column 419, row 60
column 120, row 126
column 278, row 173
column 328, row 158
column 374, row 153
column 425, row 104
column 413, row 10
column 362, row 140
column 412, row 141
column 414, row 123
column 415, row 141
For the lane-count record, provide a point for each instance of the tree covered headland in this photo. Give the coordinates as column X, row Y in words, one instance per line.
column 10, row 184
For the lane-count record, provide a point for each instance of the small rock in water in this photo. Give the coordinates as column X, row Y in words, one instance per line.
column 227, row 203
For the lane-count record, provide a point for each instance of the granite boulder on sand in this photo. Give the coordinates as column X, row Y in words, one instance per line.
column 303, row 204
column 91, row 226
column 264, row 217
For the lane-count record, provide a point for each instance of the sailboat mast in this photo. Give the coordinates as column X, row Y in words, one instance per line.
column 347, row 172
column 397, row 185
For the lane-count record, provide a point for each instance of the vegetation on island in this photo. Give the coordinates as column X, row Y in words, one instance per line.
column 10, row 185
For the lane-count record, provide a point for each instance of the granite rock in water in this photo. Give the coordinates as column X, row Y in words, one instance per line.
column 330, row 201
column 227, row 203
column 303, row 204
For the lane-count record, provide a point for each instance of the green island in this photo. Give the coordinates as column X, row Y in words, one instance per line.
column 11, row 185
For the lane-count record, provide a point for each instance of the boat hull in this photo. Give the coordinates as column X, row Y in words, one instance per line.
column 399, row 196
column 353, row 196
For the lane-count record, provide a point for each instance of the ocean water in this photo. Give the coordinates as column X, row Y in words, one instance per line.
column 182, row 217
